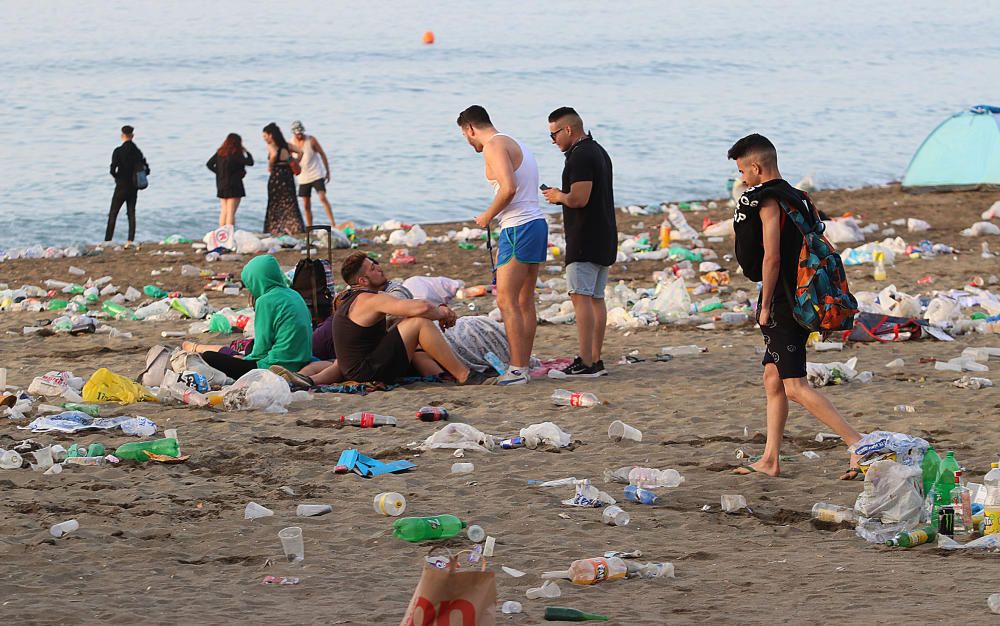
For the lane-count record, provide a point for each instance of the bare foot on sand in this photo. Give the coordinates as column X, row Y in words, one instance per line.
column 760, row 467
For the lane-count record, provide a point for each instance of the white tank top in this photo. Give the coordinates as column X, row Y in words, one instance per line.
column 312, row 164
column 523, row 207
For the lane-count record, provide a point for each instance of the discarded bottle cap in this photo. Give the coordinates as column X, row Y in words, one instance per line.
column 475, row 533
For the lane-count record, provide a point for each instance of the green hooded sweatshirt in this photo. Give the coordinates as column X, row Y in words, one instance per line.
column 282, row 324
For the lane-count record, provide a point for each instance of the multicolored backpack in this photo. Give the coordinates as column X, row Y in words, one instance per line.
column 822, row 301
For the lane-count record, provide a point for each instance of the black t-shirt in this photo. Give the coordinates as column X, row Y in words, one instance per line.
column 749, row 232
column 591, row 231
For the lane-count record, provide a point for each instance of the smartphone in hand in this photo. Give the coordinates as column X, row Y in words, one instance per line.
column 544, row 187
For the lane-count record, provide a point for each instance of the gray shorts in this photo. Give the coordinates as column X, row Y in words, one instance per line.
column 587, row 279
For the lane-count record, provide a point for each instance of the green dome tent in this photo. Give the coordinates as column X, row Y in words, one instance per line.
column 963, row 151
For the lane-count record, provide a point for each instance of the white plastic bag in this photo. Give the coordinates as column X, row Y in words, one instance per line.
column 892, row 493
column 220, row 238
column 980, row 229
column 181, row 361
column 458, row 435
column 547, row 433
column 843, row 230
column 258, row 389
column 247, row 243
column 672, row 300
column 57, row 385
column 720, row 229
column 943, row 311
column 415, row 237
column 917, row 226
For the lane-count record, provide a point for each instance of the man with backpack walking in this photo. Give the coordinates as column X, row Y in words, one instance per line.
column 769, row 221
column 126, row 162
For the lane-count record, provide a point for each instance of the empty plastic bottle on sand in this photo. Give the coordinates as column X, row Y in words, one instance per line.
column 640, row 495
column 367, row 420
column 425, row 528
column 173, row 390
column 495, row 363
column 10, row 459
column 135, row 451
column 961, row 501
column 592, row 571
column 991, row 512
column 832, row 513
column 432, row 413
column 564, row 614
column 946, row 479
column 878, row 257
column 681, row 350
column 651, row 570
column 651, row 478
column 925, row 534
column 563, row 397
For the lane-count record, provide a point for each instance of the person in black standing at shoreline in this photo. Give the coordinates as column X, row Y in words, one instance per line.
column 126, row 162
column 230, row 164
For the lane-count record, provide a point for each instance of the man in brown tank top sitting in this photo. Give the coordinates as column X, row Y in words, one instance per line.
column 368, row 351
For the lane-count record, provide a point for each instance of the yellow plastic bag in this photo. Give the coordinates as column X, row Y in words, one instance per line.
column 106, row 386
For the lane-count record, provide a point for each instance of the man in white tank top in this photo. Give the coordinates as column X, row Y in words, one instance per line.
column 315, row 171
column 523, row 242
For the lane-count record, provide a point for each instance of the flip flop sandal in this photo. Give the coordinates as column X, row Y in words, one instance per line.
column 855, row 473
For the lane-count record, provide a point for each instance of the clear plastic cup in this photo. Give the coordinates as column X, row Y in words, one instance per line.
column 615, row 516
column 732, row 503
column 619, row 430
column 291, row 543
column 63, row 528
column 254, row 510
column 312, row 510
column 510, row 607
column 475, row 533
column 389, row 503
column 43, row 459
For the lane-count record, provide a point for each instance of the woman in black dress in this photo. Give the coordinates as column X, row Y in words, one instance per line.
column 230, row 163
column 283, row 216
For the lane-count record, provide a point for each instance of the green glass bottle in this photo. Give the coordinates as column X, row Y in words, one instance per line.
column 116, row 310
column 563, row 614
column 427, row 528
column 134, row 451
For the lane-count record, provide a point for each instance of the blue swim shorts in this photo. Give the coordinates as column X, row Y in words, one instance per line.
column 528, row 243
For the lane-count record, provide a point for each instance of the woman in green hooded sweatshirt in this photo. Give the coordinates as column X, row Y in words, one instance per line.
column 282, row 325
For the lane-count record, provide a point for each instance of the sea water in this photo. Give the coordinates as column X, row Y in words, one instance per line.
column 847, row 91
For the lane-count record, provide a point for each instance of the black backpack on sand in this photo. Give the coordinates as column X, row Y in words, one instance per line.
column 313, row 278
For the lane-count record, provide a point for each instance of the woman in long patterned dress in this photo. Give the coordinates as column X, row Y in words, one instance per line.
column 283, row 216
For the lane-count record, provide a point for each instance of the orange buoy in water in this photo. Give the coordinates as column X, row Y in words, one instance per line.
column 429, row 37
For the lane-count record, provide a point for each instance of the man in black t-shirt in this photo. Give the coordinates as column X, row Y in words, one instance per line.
column 588, row 202
column 126, row 160
column 768, row 244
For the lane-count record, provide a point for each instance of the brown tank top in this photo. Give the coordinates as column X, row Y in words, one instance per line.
column 352, row 342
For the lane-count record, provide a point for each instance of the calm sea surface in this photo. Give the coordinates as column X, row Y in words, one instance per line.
column 847, row 91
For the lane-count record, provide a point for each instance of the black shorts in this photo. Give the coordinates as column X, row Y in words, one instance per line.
column 785, row 342
column 306, row 190
column 388, row 362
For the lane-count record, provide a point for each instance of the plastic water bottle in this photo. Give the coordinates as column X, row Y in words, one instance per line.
column 904, row 408
column 389, row 503
column 640, row 495
column 651, row 478
column 878, row 257
column 415, row 529
column 592, row 571
column 135, row 451
column 495, row 363
column 367, row 420
column 563, row 397
column 10, row 459
column 832, row 513
column 946, row 479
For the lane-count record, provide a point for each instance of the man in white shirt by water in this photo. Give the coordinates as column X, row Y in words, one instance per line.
column 523, row 243
column 315, row 171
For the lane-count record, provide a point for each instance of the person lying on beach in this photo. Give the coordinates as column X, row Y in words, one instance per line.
column 282, row 324
column 369, row 351
column 767, row 248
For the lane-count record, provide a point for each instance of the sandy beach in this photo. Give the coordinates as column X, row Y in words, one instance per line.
column 168, row 543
